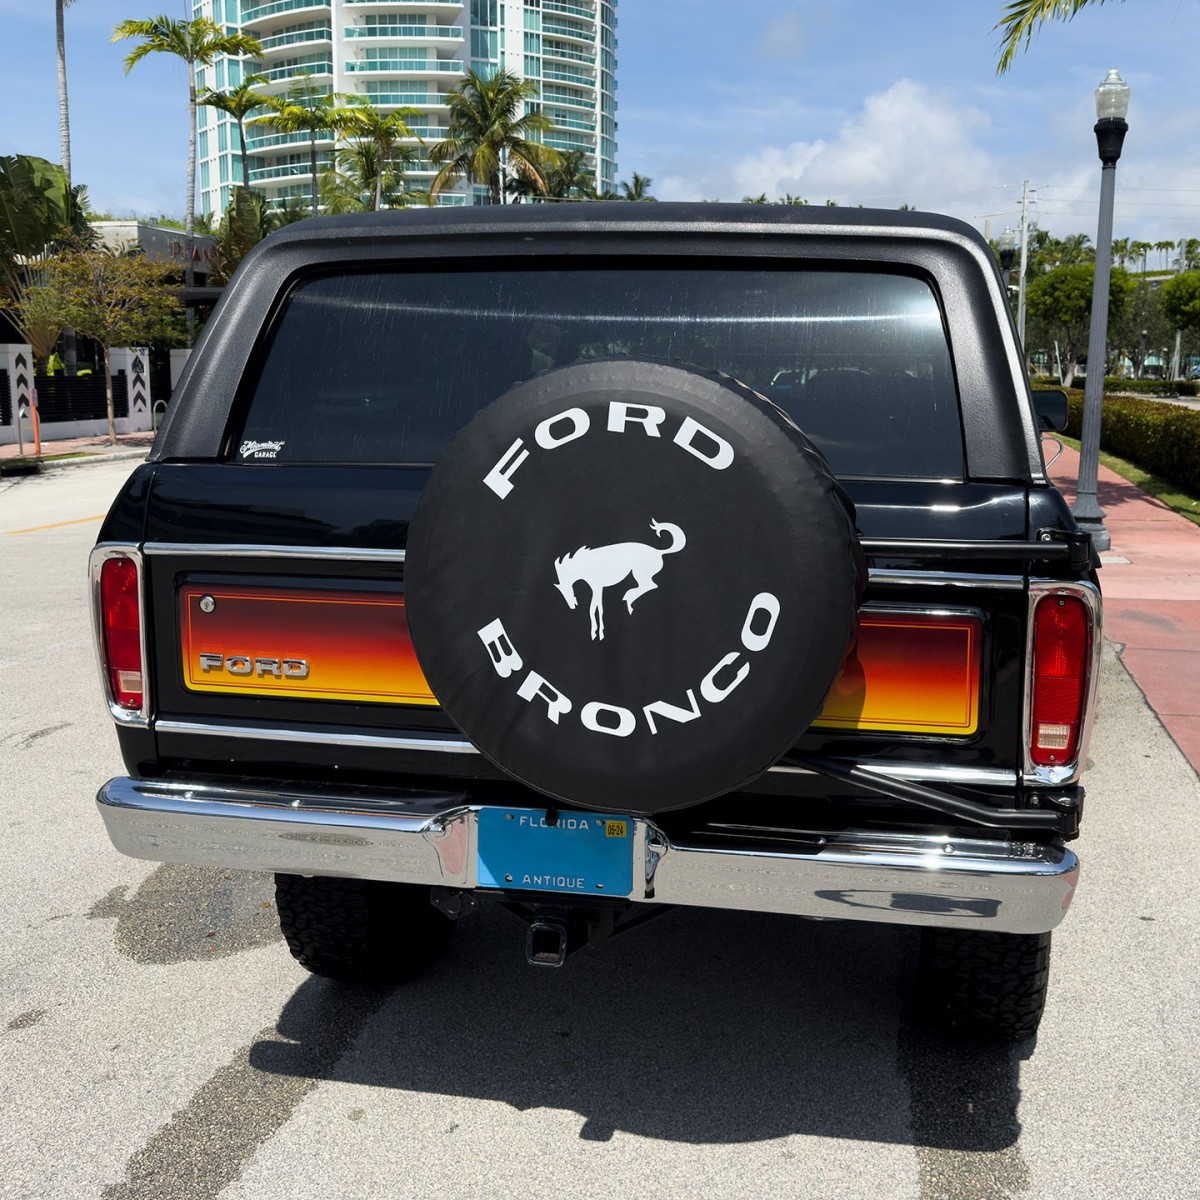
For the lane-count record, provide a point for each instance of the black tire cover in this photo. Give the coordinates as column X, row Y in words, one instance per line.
column 727, row 575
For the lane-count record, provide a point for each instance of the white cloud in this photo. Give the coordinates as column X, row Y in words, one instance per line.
column 927, row 147
column 906, row 141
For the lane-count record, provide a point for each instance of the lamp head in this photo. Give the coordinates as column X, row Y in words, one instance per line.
column 1006, row 244
column 1112, row 97
column 1112, row 103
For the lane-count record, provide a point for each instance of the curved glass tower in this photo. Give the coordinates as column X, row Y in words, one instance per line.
column 406, row 54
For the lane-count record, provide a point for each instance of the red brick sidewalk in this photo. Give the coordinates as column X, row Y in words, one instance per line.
column 1151, row 584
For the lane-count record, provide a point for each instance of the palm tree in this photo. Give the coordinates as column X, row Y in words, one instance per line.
column 1022, row 17
column 197, row 42
column 239, row 104
column 1189, row 254
column 592, row 192
column 487, row 138
column 638, row 188
column 1075, row 248
column 1164, row 248
column 359, row 182
column 570, row 177
column 382, row 132
column 40, row 215
column 761, row 198
column 1120, row 251
column 304, row 109
column 64, row 130
column 64, row 115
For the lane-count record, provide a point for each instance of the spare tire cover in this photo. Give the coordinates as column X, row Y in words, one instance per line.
column 631, row 584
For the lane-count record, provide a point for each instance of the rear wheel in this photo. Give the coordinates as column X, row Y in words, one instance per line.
column 985, row 985
column 359, row 930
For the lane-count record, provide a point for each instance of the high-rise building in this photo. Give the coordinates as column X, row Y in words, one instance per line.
column 406, row 54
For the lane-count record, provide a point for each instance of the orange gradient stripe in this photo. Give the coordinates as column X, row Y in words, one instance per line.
column 910, row 673
column 356, row 644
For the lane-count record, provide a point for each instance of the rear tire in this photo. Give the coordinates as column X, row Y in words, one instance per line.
column 990, row 986
column 359, row 930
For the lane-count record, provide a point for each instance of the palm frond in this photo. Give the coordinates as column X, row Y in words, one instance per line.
column 1022, row 17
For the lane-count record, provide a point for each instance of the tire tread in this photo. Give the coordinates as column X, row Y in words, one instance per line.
column 358, row 930
column 990, row 986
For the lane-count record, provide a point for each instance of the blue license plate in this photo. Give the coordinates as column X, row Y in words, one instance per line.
column 584, row 853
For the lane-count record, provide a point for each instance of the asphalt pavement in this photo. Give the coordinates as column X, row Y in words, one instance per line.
column 157, row 1041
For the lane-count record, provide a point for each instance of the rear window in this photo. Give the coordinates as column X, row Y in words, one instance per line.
column 385, row 367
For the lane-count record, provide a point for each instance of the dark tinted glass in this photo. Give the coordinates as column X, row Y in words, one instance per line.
column 385, row 367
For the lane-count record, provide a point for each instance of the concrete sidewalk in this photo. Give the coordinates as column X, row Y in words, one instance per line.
column 82, row 450
column 1151, row 585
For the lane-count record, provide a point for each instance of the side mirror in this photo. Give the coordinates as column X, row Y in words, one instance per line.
column 1051, row 410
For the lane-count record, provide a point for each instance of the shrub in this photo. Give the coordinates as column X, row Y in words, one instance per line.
column 1152, row 387
column 1163, row 439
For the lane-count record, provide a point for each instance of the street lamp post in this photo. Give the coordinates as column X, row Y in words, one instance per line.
column 1112, row 103
column 1007, row 245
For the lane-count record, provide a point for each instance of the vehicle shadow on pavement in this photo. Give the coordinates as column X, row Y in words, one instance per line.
column 703, row 1027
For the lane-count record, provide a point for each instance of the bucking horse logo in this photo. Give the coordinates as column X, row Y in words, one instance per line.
column 606, row 566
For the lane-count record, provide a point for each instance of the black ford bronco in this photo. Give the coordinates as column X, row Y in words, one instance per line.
column 591, row 558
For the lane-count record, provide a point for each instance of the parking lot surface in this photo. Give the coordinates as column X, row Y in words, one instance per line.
column 156, row 1040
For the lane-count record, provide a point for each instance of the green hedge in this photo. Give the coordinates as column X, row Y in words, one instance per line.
column 1152, row 387
column 1163, row 439
column 1143, row 387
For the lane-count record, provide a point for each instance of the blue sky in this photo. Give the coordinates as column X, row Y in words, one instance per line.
column 863, row 101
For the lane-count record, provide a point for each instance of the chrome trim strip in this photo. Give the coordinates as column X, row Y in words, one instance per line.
column 1009, row 583
column 1066, row 773
column 979, row 776
column 936, row 550
column 360, row 554
column 243, row 550
column 319, row 737
column 924, row 773
column 99, row 555
column 430, row 839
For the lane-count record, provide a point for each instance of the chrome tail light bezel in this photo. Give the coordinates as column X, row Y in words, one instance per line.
column 102, row 553
column 1065, row 773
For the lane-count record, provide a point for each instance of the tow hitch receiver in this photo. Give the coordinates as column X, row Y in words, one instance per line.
column 546, row 940
column 554, row 931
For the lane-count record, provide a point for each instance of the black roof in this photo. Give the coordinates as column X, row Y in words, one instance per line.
column 615, row 215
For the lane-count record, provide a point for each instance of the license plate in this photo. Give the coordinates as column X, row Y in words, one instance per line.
column 582, row 853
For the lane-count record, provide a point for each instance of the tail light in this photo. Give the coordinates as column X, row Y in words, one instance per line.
column 117, row 593
column 1061, row 677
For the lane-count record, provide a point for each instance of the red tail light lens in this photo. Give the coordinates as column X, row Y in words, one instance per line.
column 1062, row 642
column 122, row 630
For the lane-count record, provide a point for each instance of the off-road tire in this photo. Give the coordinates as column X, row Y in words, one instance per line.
column 989, row 986
column 357, row 930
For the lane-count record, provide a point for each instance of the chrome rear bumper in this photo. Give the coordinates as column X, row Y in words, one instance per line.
column 430, row 839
